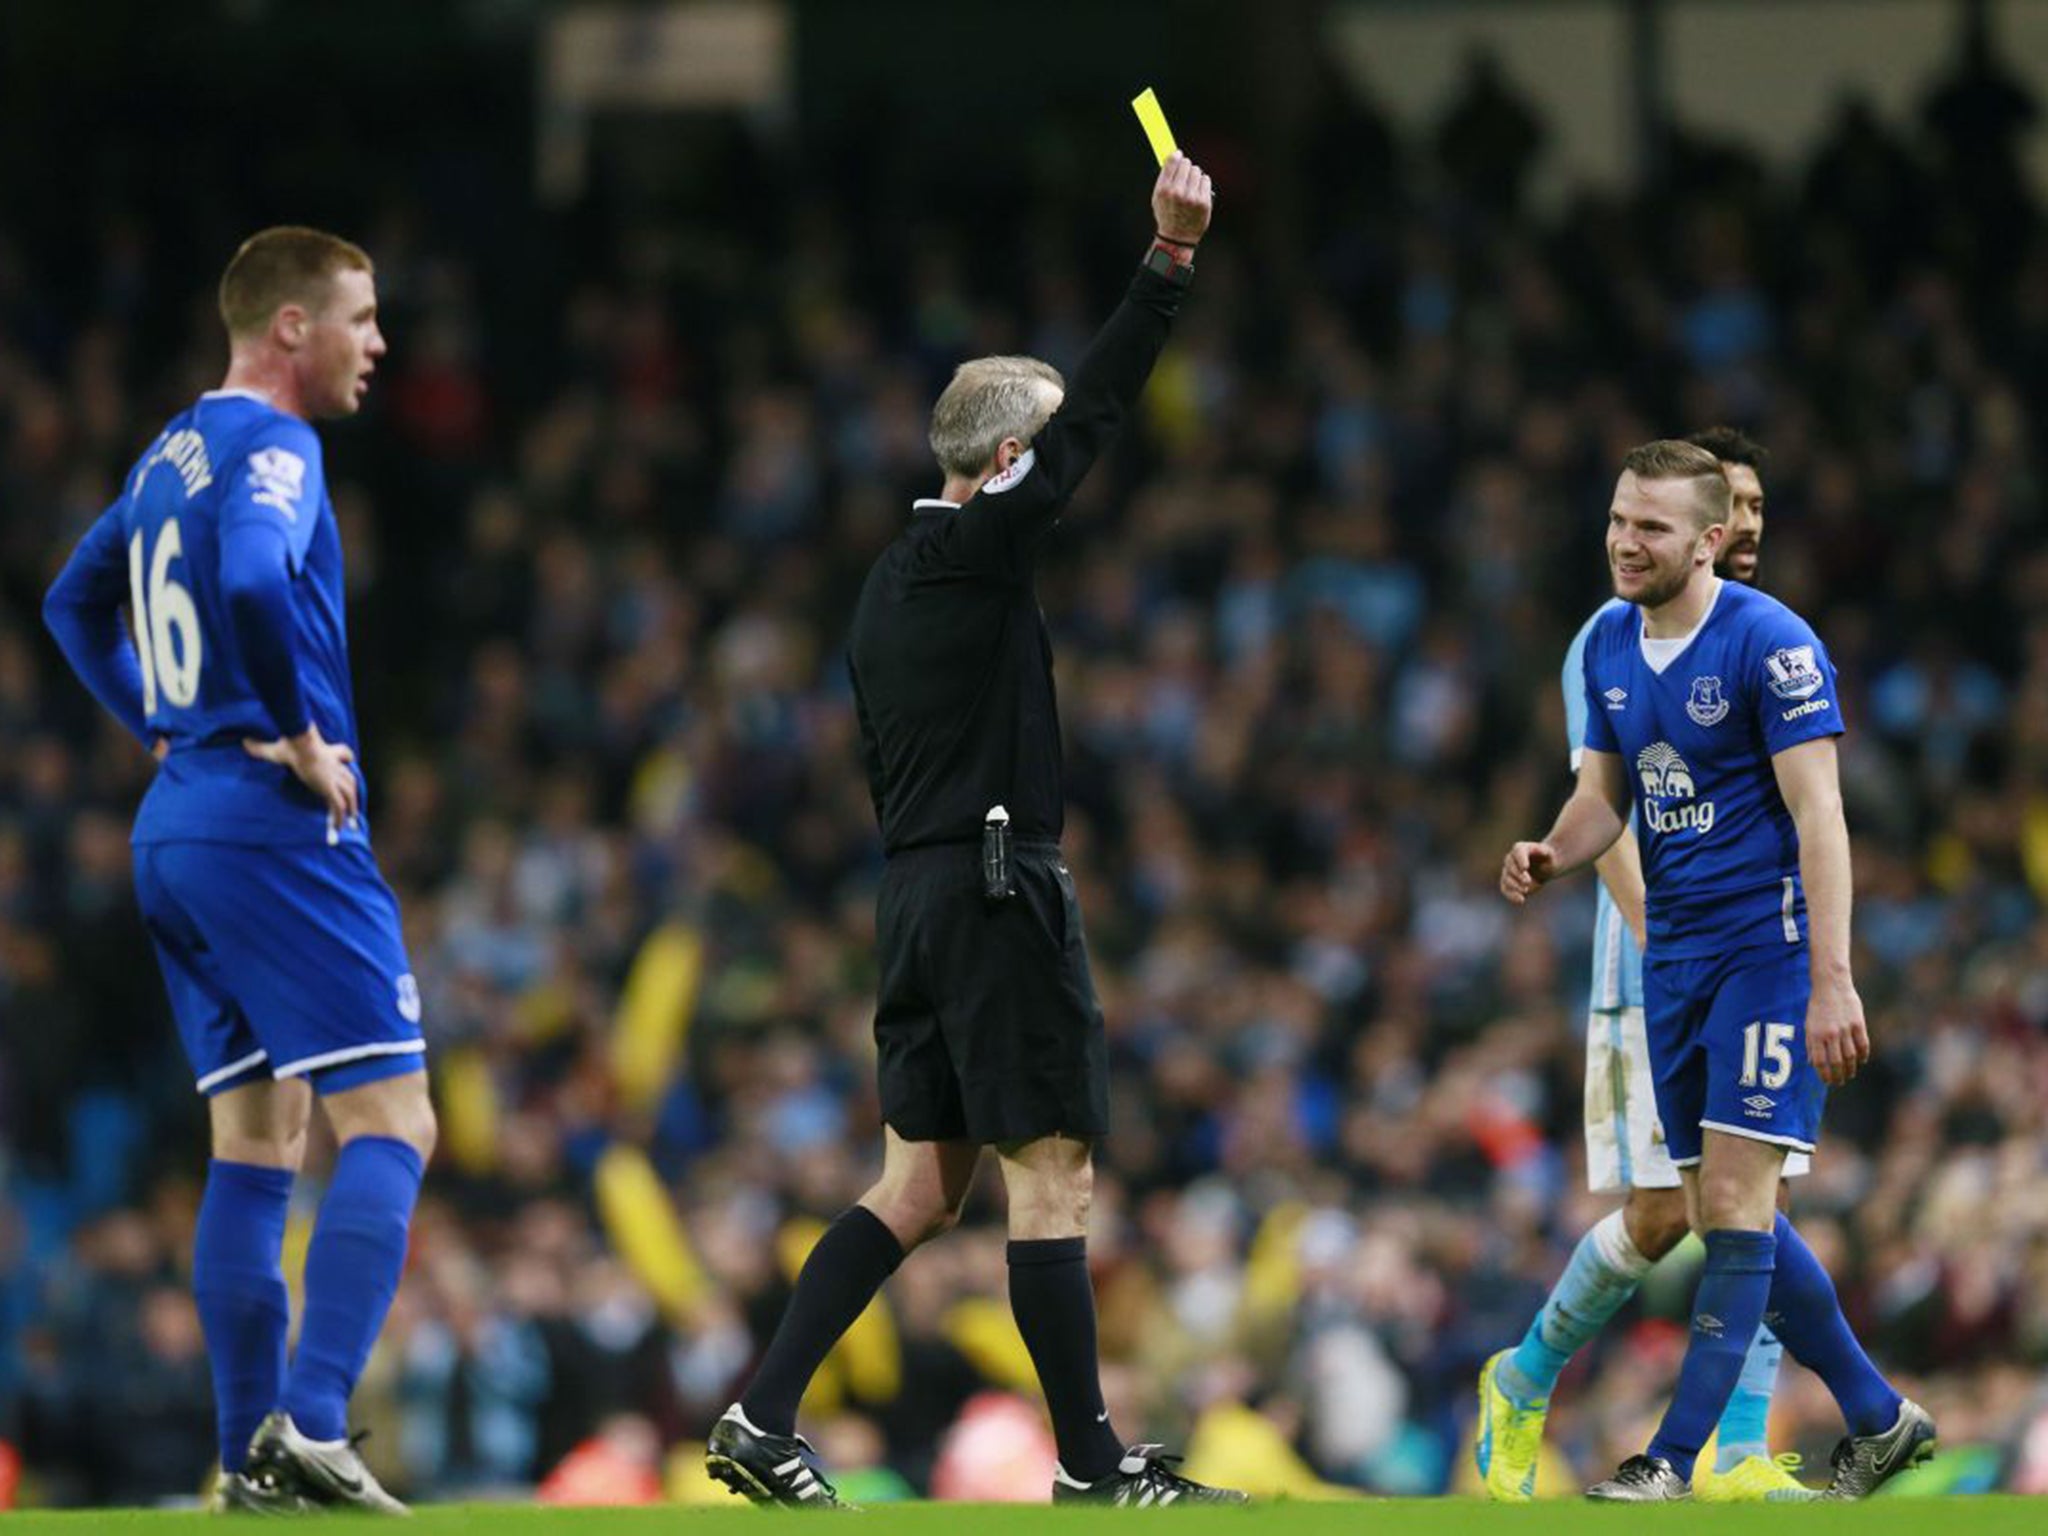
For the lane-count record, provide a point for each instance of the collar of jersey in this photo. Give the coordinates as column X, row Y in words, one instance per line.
column 238, row 394
column 1643, row 639
column 933, row 504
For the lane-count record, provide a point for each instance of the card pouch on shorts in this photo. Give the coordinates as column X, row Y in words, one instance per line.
column 998, row 881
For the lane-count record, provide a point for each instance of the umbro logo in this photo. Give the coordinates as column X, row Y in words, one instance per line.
column 1617, row 698
column 1710, row 1325
column 1760, row 1104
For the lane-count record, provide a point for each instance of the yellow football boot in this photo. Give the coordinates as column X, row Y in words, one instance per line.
column 1754, row 1479
column 1510, row 1438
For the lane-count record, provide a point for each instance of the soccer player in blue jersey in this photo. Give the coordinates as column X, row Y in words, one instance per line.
column 277, row 937
column 1712, row 713
column 1625, row 1151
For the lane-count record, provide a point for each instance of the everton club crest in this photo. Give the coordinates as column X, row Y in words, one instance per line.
column 1707, row 706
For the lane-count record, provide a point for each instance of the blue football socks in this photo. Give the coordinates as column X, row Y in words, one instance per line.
column 239, row 1286
column 1807, row 1316
column 1604, row 1271
column 1726, row 1310
column 1745, row 1424
column 352, row 1270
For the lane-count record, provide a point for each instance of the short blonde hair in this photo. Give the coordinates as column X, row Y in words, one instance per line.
column 288, row 264
column 989, row 399
column 1670, row 459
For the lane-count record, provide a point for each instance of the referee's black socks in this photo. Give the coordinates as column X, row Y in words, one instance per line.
column 1054, row 1304
column 857, row 1253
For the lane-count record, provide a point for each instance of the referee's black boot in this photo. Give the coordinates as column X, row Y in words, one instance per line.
column 769, row 1469
column 1143, row 1479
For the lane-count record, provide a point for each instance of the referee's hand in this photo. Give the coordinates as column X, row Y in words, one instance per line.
column 1182, row 200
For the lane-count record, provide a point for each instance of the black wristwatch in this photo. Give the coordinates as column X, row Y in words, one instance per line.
column 1173, row 260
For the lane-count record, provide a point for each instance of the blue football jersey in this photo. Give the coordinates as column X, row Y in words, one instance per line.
column 231, row 457
column 1617, row 963
column 1696, row 736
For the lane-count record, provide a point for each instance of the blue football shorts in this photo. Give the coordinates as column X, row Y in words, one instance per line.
column 281, row 962
column 1727, row 1038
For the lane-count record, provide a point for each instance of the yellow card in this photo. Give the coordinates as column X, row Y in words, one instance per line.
column 1146, row 105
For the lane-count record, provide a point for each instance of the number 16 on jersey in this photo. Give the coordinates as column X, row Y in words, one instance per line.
column 166, row 622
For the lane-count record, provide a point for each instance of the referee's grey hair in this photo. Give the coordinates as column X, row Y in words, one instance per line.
column 989, row 399
column 1669, row 459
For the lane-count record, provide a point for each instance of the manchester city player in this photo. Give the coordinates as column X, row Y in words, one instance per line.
column 278, row 938
column 1625, row 1151
column 1711, row 711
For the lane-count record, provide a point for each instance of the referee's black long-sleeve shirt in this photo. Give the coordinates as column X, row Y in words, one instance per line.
column 952, row 666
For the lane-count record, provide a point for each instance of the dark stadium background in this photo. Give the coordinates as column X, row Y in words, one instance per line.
column 656, row 395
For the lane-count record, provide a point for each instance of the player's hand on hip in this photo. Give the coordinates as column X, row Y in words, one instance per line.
column 1527, row 866
column 1182, row 200
column 1837, row 1039
column 322, row 766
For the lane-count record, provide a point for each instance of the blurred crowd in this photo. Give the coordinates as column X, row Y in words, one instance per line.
column 605, row 516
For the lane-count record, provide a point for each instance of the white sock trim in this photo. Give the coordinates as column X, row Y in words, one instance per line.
column 1616, row 1249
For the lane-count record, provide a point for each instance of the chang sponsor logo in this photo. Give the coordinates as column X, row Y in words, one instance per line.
column 1666, row 779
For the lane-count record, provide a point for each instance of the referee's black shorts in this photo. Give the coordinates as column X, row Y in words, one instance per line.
column 987, row 1025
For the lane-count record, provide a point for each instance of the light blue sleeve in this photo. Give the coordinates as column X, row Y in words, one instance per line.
column 1575, row 691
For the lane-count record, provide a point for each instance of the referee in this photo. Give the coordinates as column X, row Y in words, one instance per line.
column 987, row 1027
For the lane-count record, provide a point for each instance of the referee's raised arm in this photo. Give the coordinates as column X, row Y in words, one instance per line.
column 1027, row 485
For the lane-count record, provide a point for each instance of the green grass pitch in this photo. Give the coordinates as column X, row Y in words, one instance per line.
column 1392, row 1517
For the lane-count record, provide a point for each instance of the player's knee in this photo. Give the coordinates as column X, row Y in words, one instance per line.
column 263, row 1124
column 1727, row 1202
column 398, row 1108
column 424, row 1132
column 280, row 1147
column 1657, row 1221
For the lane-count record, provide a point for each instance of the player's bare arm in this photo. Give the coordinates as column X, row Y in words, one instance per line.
column 1594, row 816
column 1837, row 1039
column 1620, row 869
